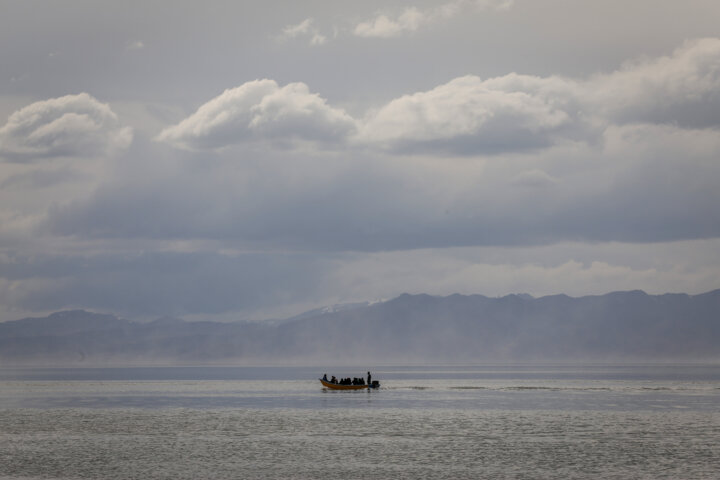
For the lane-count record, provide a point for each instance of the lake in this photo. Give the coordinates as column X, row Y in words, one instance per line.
column 449, row 421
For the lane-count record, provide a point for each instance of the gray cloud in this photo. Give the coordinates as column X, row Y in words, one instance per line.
column 41, row 179
column 619, row 191
column 73, row 125
column 153, row 283
column 534, row 178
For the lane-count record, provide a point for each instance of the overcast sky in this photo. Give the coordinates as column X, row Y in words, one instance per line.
column 252, row 160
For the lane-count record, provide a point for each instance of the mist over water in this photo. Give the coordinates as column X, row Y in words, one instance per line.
column 425, row 422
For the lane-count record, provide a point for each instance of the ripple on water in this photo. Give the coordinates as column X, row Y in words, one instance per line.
column 356, row 443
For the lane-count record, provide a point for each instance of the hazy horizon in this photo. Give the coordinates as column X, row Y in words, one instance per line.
column 620, row 327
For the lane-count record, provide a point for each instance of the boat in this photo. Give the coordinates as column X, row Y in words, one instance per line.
column 337, row 386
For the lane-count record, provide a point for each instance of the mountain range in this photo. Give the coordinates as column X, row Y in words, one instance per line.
column 619, row 326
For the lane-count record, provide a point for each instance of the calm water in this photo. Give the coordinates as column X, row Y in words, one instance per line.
column 425, row 422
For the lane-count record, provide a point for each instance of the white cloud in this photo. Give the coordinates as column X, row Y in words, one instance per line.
column 473, row 116
column 412, row 19
column 382, row 26
column 73, row 125
column 682, row 88
column 469, row 115
column 260, row 110
column 304, row 29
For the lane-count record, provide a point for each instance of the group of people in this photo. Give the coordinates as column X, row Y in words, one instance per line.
column 348, row 380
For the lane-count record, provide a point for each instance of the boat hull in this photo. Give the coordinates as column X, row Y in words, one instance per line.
column 335, row 386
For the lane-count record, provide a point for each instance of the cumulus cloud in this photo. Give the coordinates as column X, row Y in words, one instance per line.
column 412, row 18
column 382, row 26
column 682, row 88
column 304, row 29
column 73, row 125
column 261, row 110
column 468, row 115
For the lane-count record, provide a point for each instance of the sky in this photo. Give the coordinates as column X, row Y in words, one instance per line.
column 252, row 160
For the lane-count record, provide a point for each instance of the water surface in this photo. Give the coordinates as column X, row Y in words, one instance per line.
column 425, row 422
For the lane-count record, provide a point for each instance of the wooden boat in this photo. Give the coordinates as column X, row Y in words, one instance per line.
column 336, row 386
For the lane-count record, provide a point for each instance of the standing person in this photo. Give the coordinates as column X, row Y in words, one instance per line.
column 369, row 379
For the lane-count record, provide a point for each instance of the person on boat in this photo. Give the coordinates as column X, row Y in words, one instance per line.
column 333, row 379
column 369, row 379
column 325, row 377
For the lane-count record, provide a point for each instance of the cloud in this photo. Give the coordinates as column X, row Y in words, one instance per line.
column 158, row 283
column 304, row 29
column 382, row 26
column 534, row 178
column 261, row 110
column 682, row 88
column 69, row 126
column 645, row 184
column 468, row 116
column 40, row 179
column 412, row 18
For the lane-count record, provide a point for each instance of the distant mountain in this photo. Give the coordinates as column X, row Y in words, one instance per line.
column 339, row 307
column 619, row 326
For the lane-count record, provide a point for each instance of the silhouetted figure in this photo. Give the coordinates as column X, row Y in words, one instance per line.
column 333, row 379
column 325, row 377
column 369, row 379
